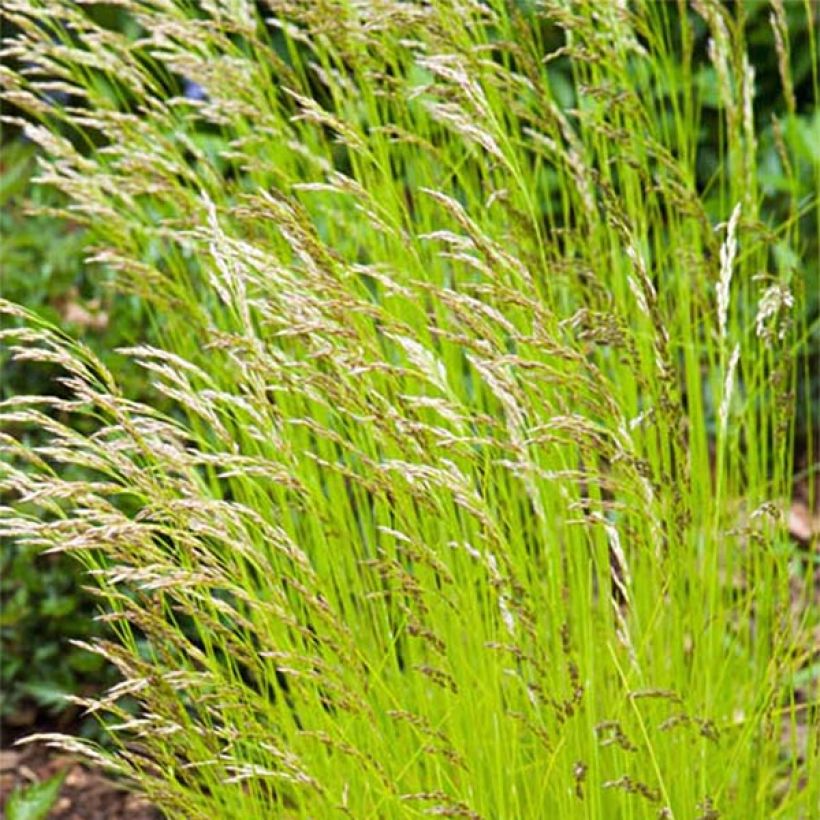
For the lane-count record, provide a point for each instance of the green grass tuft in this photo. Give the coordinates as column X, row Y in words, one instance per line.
column 481, row 375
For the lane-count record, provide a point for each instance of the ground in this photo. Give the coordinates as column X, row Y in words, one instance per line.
column 85, row 794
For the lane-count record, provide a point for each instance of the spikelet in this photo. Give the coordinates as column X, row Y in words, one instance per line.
column 728, row 250
column 780, row 29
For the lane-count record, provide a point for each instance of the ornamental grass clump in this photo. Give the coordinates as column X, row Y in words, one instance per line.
column 462, row 492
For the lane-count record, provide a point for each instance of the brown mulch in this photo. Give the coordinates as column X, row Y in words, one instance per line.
column 85, row 794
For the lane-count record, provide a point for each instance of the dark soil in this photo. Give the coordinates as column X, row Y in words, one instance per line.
column 85, row 794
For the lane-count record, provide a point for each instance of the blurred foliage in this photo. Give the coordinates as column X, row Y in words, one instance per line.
column 43, row 263
column 42, row 260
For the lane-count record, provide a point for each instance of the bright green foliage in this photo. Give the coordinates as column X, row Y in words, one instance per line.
column 35, row 801
column 469, row 501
